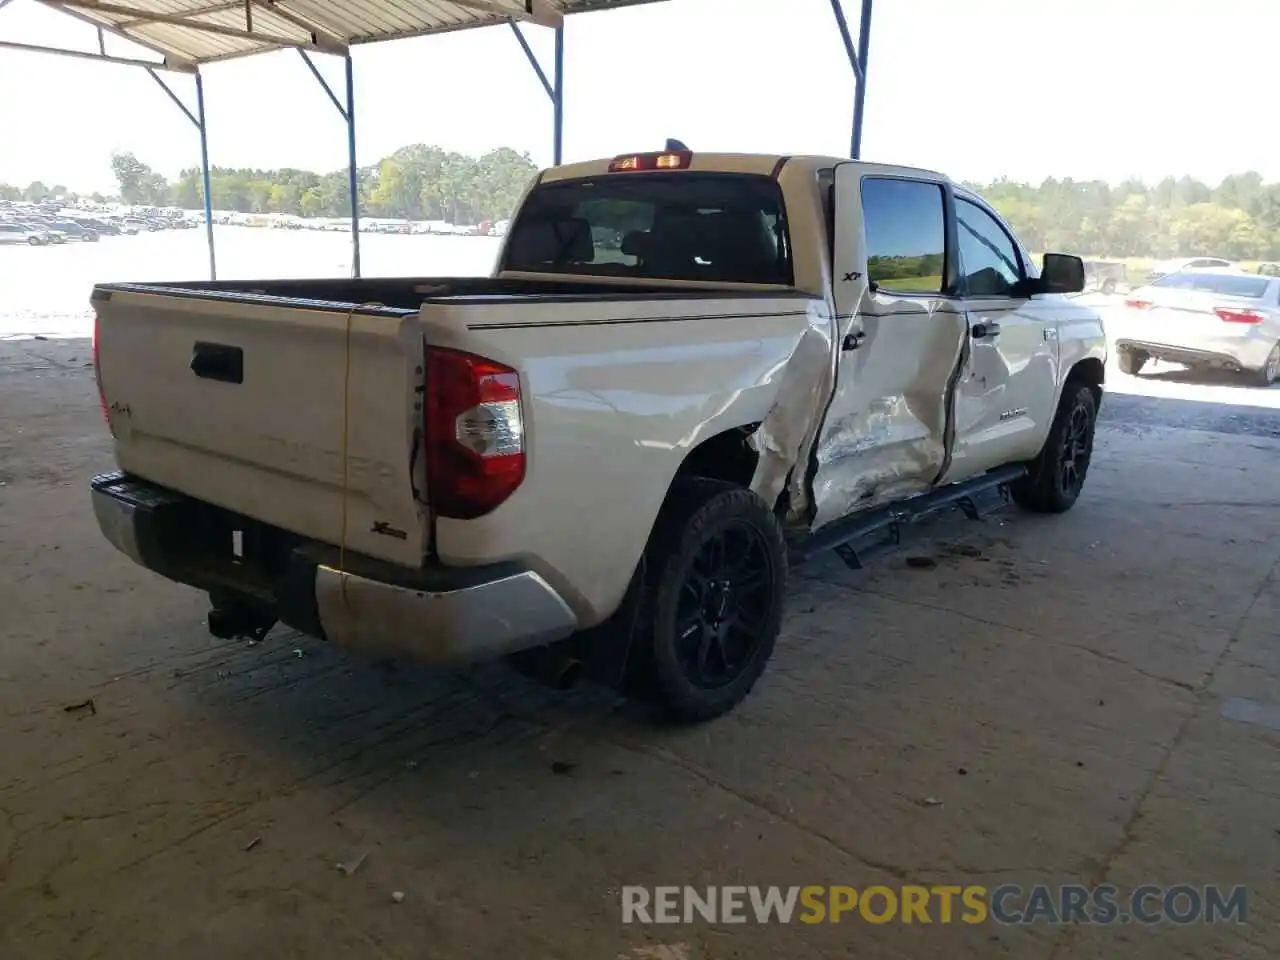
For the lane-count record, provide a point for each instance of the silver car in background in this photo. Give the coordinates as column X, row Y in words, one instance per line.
column 21, row 233
column 1203, row 318
column 1188, row 263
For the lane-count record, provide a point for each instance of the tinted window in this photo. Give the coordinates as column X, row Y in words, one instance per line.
column 670, row 226
column 1225, row 284
column 906, row 234
column 989, row 261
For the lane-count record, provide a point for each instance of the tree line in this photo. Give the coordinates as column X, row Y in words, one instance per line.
column 417, row 182
column 1239, row 218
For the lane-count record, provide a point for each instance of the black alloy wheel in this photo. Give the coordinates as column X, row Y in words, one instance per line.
column 725, row 606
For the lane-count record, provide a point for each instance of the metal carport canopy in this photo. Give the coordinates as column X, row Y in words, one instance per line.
column 191, row 32
column 188, row 33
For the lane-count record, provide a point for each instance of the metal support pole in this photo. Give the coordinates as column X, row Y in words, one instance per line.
column 198, row 121
column 860, row 96
column 554, row 87
column 204, row 175
column 557, row 99
column 533, row 59
column 348, row 113
column 858, row 62
column 353, row 175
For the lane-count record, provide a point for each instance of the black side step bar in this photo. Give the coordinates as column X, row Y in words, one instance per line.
column 863, row 536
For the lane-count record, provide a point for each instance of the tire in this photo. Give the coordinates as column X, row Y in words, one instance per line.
column 1108, row 287
column 715, row 577
column 33, row 241
column 1270, row 371
column 1056, row 476
column 1131, row 361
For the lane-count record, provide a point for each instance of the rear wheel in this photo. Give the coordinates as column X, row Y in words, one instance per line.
column 1108, row 287
column 33, row 241
column 715, row 579
column 1056, row 476
column 1131, row 361
column 1270, row 371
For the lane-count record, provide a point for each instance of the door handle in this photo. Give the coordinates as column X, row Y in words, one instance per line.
column 984, row 331
column 217, row 361
column 853, row 340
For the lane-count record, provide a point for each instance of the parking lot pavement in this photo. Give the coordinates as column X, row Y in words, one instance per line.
column 1078, row 699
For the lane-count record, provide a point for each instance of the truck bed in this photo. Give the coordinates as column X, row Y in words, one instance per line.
column 300, row 403
column 409, row 293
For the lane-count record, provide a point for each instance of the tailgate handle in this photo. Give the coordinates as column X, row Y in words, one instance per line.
column 217, row 361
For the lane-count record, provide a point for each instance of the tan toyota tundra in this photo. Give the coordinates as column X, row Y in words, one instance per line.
column 687, row 371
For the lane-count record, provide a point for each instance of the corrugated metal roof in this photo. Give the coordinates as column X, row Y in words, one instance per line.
column 191, row 32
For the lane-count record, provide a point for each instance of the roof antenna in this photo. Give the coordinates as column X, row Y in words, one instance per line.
column 673, row 145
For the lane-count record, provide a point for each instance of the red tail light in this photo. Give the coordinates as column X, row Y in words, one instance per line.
column 1236, row 315
column 1138, row 304
column 475, row 433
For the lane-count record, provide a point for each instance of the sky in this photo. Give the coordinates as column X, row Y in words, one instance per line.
column 978, row 89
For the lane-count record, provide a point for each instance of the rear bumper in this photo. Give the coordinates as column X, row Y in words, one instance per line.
column 433, row 615
column 1234, row 353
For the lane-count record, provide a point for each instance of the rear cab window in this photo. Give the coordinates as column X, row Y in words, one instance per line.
column 716, row 227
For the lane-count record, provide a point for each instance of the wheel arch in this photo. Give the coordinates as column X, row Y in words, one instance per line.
column 727, row 456
column 1089, row 371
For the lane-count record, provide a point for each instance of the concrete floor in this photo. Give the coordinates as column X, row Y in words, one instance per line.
column 1043, row 706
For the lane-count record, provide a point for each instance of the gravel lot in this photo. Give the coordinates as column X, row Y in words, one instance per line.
column 1045, row 705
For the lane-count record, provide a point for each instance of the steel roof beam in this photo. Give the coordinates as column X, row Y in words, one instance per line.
column 201, row 12
column 171, row 61
column 543, row 13
column 101, row 58
column 326, row 41
column 144, row 18
column 533, row 60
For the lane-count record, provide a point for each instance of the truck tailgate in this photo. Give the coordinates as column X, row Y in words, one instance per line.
column 241, row 401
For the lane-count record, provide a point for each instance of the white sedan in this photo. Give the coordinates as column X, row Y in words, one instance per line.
column 1201, row 318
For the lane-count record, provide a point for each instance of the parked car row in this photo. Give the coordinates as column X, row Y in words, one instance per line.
column 39, row 229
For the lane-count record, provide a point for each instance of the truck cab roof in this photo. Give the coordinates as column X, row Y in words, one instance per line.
column 762, row 164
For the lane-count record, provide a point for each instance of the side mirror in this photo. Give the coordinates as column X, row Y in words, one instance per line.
column 1061, row 273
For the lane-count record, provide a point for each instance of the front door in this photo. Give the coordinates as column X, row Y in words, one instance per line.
column 901, row 337
column 1004, row 400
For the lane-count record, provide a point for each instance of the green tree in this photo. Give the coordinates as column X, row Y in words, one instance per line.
column 417, row 182
column 139, row 184
column 1239, row 218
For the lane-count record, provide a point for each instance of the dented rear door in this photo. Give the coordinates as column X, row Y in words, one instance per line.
column 888, row 429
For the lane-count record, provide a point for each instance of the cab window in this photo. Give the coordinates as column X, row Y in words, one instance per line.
column 990, row 265
column 905, row 225
column 719, row 227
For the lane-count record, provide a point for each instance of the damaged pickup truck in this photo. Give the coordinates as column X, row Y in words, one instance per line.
column 687, row 371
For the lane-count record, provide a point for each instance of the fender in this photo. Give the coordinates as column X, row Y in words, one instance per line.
column 616, row 394
column 1082, row 349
